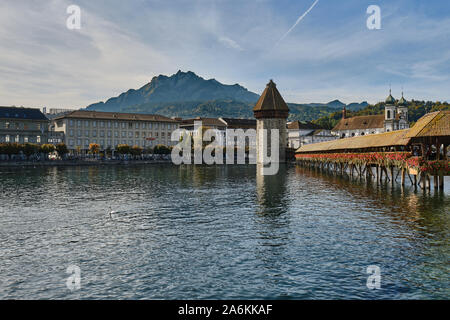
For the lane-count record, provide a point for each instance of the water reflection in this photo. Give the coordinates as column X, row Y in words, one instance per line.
column 271, row 191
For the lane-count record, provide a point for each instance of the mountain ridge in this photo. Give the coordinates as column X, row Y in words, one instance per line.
column 185, row 94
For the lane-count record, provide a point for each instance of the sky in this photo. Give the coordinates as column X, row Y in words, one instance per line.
column 326, row 54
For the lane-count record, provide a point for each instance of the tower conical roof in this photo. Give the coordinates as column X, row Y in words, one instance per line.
column 402, row 102
column 271, row 103
column 390, row 99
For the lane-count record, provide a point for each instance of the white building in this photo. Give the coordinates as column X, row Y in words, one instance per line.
column 109, row 129
column 395, row 118
column 301, row 133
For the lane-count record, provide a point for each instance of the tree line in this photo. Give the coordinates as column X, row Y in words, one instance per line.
column 30, row 149
column 416, row 110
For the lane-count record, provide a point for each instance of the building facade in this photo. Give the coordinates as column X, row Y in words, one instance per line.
column 270, row 112
column 109, row 129
column 301, row 133
column 23, row 125
column 395, row 117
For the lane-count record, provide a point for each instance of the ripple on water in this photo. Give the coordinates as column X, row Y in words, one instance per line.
column 217, row 232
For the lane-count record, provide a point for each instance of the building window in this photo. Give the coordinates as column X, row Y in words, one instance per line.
column 71, row 132
column 130, row 125
column 136, row 126
column 25, row 139
column 71, row 142
column 109, row 134
column 102, row 124
column 143, row 125
column 86, row 123
column 79, row 123
column 136, row 135
column 388, row 114
column 130, row 134
column 94, row 133
column 38, row 139
column 7, row 138
column 86, row 133
column 116, row 125
column 94, row 124
column 71, row 123
column 102, row 133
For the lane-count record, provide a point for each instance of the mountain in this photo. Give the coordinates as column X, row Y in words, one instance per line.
column 336, row 104
column 182, row 87
column 186, row 95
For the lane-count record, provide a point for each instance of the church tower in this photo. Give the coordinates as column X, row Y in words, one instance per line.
column 390, row 111
column 271, row 112
column 402, row 108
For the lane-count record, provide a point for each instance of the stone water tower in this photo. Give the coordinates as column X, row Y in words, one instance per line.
column 271, row 112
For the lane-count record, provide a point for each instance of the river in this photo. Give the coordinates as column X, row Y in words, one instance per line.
column 218, row 232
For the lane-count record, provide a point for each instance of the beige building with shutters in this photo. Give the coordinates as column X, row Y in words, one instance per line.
column 109, row 129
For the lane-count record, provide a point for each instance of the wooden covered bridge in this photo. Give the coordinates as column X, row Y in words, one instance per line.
column 419, row 153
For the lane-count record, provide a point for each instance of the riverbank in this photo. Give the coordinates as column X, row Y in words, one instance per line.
column 64, row 163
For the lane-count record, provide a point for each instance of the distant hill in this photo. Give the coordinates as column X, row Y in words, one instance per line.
column 182, row 87
column 185, row 94
column 416, row 109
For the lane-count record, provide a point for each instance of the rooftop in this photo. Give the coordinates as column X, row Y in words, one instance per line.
column 271, row 100
column 360, row 122
column 432, row 125
column 84, row 114
column 387, row 139
column 21, row 113
column 299, row 125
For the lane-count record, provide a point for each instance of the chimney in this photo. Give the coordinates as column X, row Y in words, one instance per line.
column 344, row 113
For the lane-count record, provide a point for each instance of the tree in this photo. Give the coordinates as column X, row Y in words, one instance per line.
column 161, row 149
column 136, row 151
column 47, row 148
column 94, row 148
column 30, row 149
column 123, row 149
column 62, row 150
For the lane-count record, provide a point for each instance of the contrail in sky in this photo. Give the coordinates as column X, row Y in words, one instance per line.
column 298, row 20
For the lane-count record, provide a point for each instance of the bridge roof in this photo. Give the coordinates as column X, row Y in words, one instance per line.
column 387, row 139
column 431, row 125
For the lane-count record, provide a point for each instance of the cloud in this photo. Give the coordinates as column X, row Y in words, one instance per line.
column 123, row 45
column 230, row 43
